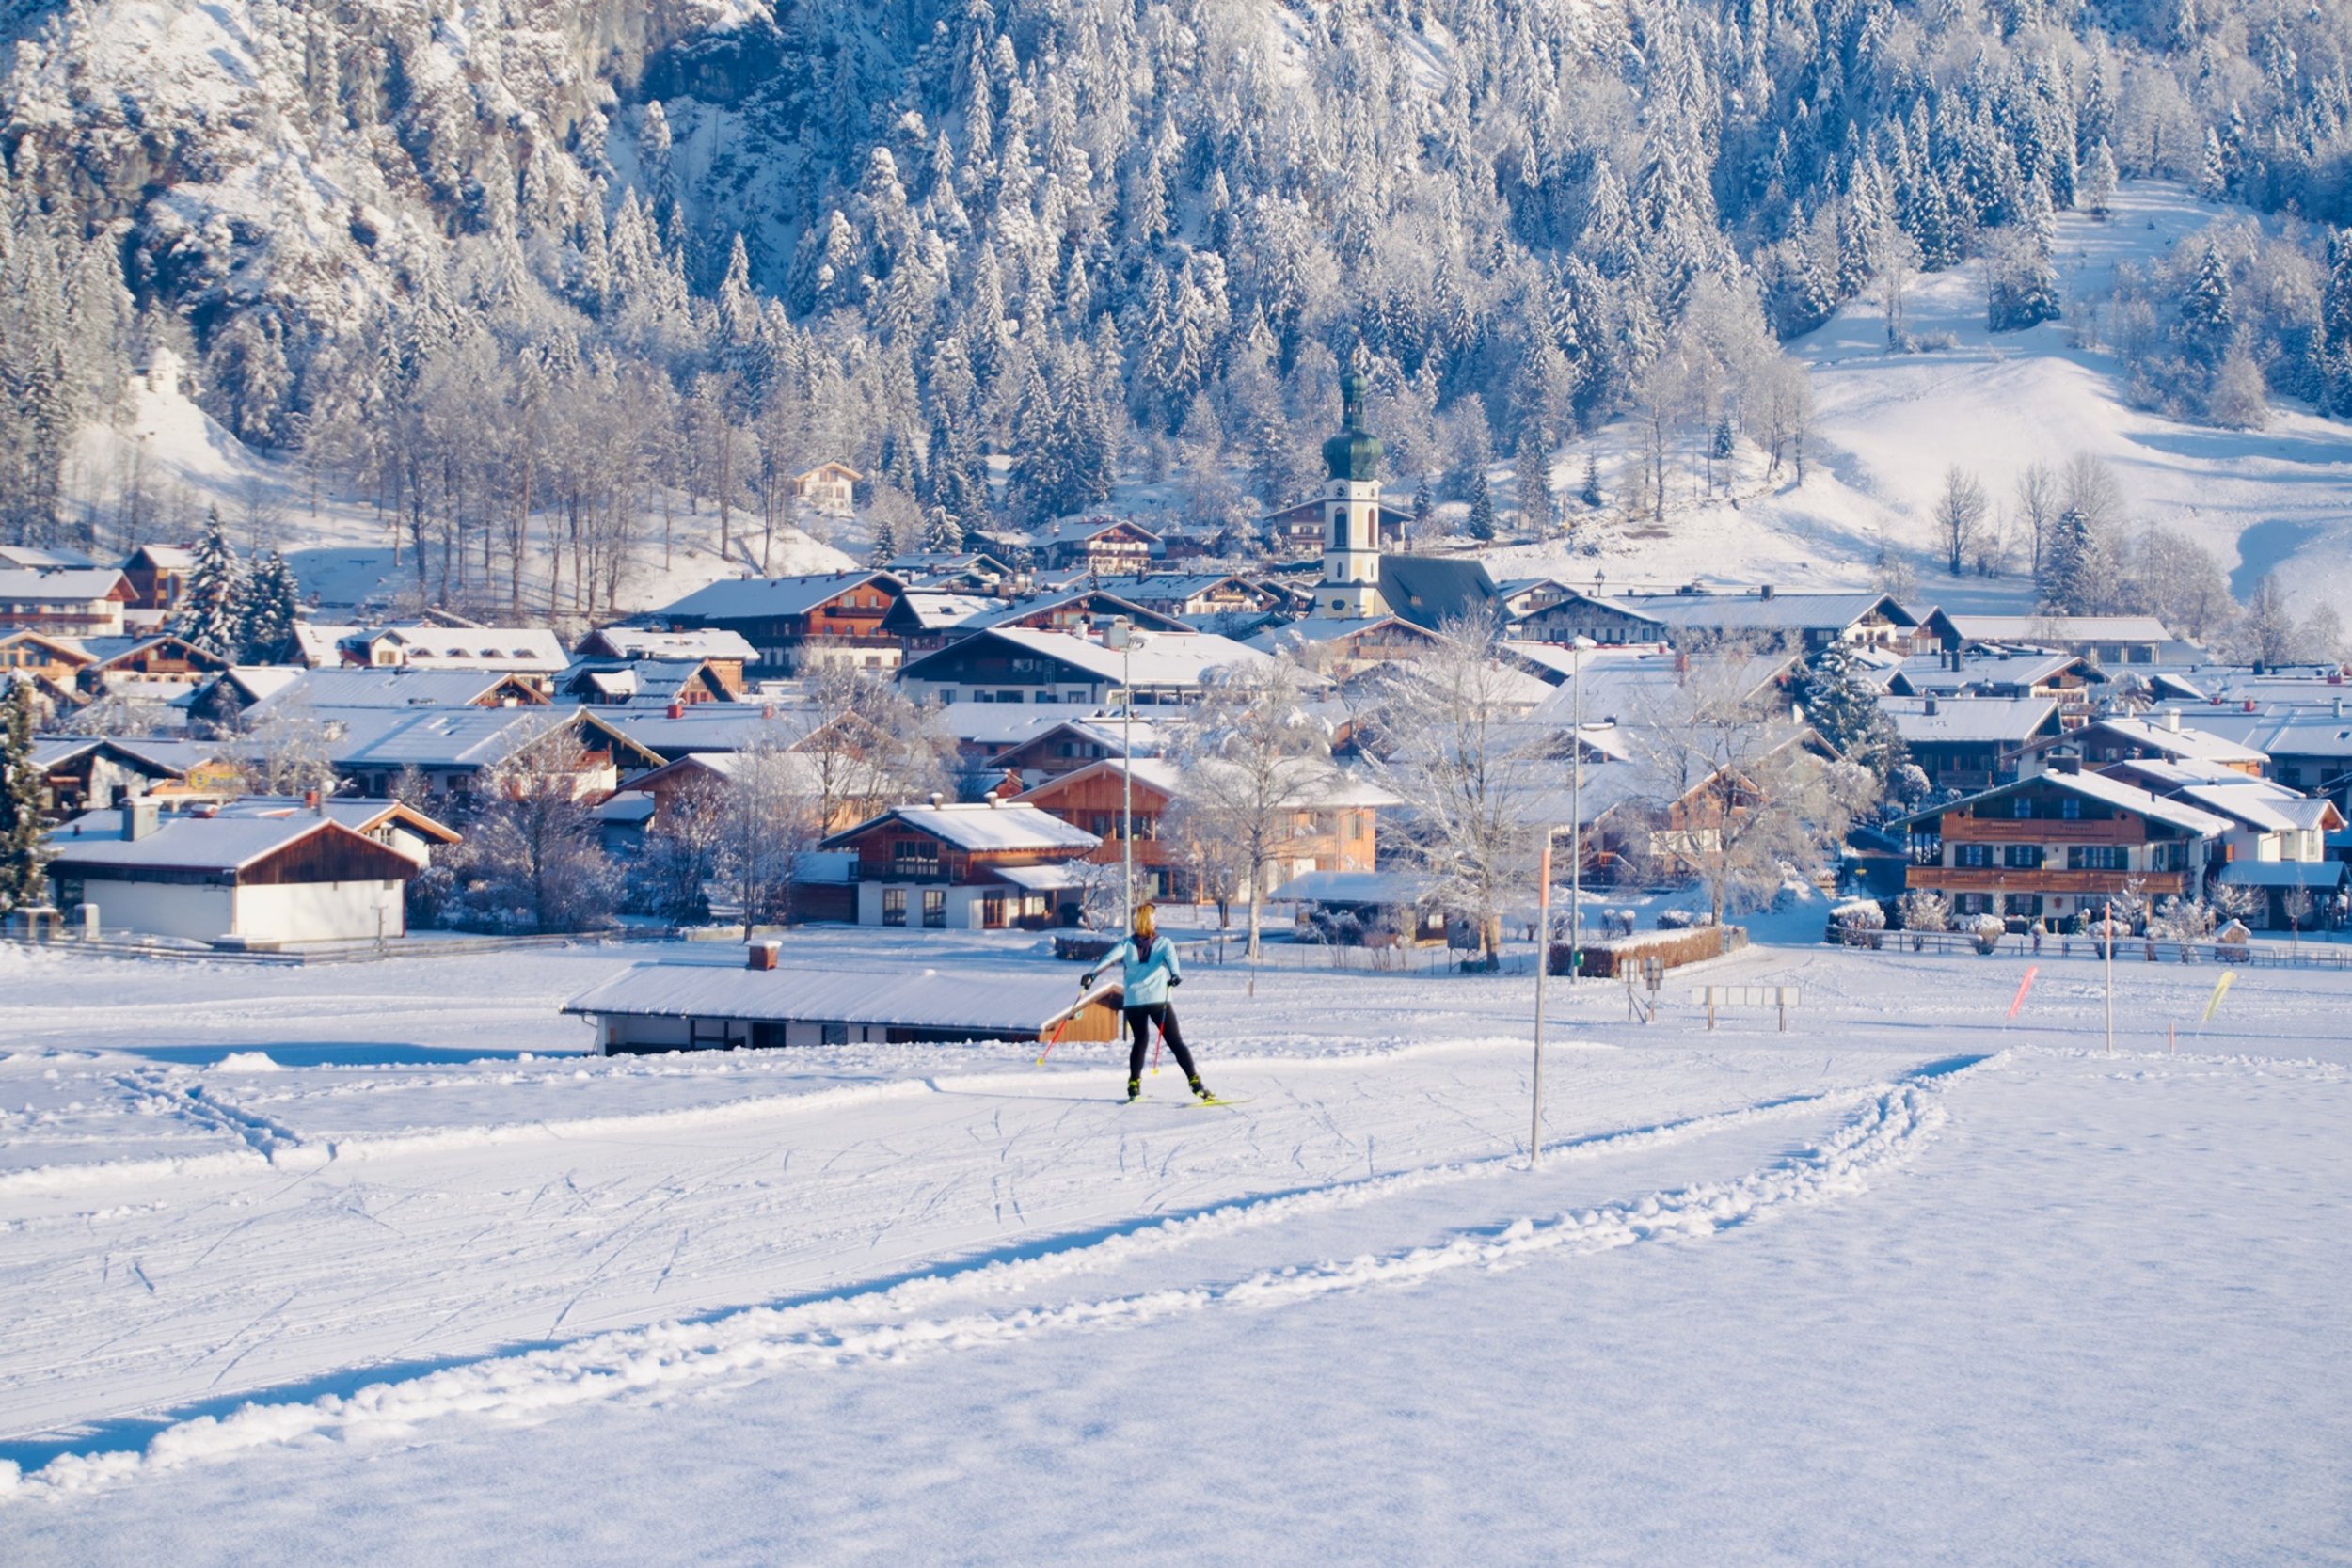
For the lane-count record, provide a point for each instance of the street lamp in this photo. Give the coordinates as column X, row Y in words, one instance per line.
column 1121, row 634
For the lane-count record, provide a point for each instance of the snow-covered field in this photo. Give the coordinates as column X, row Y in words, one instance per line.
column 363, row 1263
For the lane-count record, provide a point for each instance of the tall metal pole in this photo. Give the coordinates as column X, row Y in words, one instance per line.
column 1127, row 768
column 2111, row 924
column 1543, row 967
column 1576, row 816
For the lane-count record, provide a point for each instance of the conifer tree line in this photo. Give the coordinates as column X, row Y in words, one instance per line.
column 994, row 254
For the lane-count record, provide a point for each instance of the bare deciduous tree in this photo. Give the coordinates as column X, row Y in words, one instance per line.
column 1960, row 514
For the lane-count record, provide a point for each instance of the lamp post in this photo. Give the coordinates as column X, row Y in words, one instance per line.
column 1122, row 635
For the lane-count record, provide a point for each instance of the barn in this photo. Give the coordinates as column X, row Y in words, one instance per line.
column 257, row 880
column 673, row 1006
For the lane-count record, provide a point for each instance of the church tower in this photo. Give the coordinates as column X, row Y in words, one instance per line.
column 1350, row 588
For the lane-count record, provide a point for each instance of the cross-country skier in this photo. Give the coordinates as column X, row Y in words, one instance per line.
column 1148, row 968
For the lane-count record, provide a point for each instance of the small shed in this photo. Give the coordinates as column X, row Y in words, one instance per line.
column 1366, row 909
column 672, row 1006
column 300, row 877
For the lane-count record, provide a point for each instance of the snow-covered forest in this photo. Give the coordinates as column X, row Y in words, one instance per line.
column 553, row 269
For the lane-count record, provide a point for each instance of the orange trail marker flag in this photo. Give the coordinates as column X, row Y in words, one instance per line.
column 2025, row 985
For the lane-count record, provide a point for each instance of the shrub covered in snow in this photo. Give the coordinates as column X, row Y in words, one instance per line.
column 1923, row 910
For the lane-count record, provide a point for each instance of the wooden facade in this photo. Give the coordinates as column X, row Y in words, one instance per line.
column 2041, row 848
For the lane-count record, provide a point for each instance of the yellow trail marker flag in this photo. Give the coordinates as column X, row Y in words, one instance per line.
column 2220, row 990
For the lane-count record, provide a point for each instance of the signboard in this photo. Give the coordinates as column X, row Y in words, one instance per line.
column 215, row 778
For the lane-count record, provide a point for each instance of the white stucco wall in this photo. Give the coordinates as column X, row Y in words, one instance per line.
column 162, row 909
column 320, row 912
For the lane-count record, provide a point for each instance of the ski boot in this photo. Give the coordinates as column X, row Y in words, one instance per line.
column 1134, row 1090
column 1202, row 1089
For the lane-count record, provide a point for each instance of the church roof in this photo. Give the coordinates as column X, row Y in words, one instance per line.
column 1428, row 590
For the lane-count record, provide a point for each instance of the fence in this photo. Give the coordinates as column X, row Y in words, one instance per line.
column 2259, row 955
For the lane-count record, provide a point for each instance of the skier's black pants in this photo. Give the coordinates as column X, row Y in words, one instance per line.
column 1139, row 1021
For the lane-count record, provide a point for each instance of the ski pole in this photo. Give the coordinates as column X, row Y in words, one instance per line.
column 1159, row 1034
column 1059, row 1028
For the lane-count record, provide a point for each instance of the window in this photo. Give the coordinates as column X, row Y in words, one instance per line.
column 894, row 906
column 2021, row 807
column 2024, row 903
column 2022, row 857
column 2071, row 810
column 836, row 1034
column 1972, row 854
column 2094, row 857
column 1973, row 903
column 935, row 907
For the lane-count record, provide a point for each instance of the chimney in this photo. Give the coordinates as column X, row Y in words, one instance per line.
column 2250, row 705
column 138, row 817
column 934, row 797
column 996, row 800
column 761, row 955
column 1930, row 710
column 2173, row 719
column 311, row 800
column 1765, row 592
column 1682, row 664
column 677, row 710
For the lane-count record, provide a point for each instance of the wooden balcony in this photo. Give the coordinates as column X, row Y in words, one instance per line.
column 2042, row 830
column 2001, row 878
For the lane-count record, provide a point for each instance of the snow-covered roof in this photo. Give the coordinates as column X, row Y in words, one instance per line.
column 2036, row 629
column 981, row 827
column 1776, row 612
column 1165, row 588
column 2115, row 793
column 57, row 587
column 1067, row 530
column 358, row 812
column 1924, row 673
column 179, row 842
column 526, row 648
column 1003, row 724
column 1101, row 603
column 2190, row 741
column 1967, row 719
column 386, row 687
column 2309, row 733
column 902, row 997
column 1355, row 887
column 715, row 726
column 639, row 642
column 1037, row 879
column 1157, row 659
column 450, row 737
column 32, row 559
column 1316, row 630
column 937, row 611
column 758, row 599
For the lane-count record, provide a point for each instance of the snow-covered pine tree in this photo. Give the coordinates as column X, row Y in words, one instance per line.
column 266, row 611
column 1531, row 476
column 207, row 613
column 1844, row 707
column 2070, row 561
column 886, row 546
column 942, row 532
column 1481, row 508
column 1589, row 491
column 22, row 824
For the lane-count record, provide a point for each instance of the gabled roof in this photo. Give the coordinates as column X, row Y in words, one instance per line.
column 159, row 758
column 2095, row 786
column 1761, row 612
column 1096, row 601
column 1429, row 590
column 186, row 842
column 1160, row 588
column 465, row 648
column 1078, row 531
column 640, row 643
column 469, row 738
column 759, row 598
column 1157, row 659
column 1923, row 673
column 166, row 557
column 2186, row 741
column 936, row 612
column 2039, row 629
column 73, row 582
column 1314, row 630
column 711, row 727
column 65, row 650
column 391, row 687
column 120, row 649
column 901, row 997
column 980, row 827
column 2008, row 720
column 359, row 813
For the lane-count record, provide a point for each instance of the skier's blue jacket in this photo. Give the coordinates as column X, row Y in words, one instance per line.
column 1143, row 977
